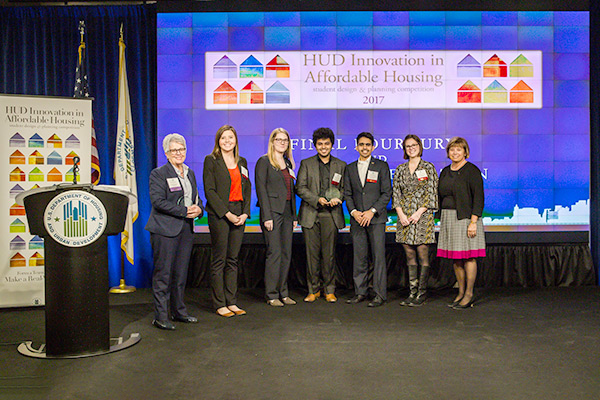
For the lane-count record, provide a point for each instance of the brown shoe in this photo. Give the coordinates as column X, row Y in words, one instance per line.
column 288, row 301
column 330, row 298
column 312, row 297
column 275, row 303
column 225, row 312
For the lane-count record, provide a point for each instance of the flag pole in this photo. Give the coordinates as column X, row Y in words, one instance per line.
column 122, row 288
column 124, row 103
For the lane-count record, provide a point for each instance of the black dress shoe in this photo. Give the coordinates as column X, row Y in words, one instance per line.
column 356, row 299
column 163, row 325
column 465, row 306
column 188, row 319
column 377, row 302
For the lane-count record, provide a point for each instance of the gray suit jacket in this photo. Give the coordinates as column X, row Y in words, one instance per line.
column 373, row 194
column 308, row 185
column 168, row 214
column 271, row 189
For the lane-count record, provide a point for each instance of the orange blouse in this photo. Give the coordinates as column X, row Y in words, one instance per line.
column 235, row 192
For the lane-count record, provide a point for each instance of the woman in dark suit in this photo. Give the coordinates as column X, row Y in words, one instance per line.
column 175, row 204
column 227, row 190
column 274, row 179
column 461, row 230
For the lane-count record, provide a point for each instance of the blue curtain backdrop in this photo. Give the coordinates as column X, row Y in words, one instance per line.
column 38, row 56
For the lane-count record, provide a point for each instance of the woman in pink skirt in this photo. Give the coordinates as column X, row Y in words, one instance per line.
column 462, row 238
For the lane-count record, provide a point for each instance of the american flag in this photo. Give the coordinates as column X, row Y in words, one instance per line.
column 82, row 89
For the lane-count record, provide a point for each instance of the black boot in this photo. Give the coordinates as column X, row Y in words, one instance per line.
column 422, row 292
column 413, row 281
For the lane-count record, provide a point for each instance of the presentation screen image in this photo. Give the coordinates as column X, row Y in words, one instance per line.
column 514, row 84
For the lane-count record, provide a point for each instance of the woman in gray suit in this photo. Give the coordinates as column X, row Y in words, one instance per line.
column 227, row 189
column 274, row 179
column 175, row 204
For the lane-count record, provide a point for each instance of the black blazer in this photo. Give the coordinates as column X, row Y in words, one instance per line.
column 217, row 185
column 468, row 191
column 168, row 215
column 373, row 195
column 308, row 185
column 271, row 189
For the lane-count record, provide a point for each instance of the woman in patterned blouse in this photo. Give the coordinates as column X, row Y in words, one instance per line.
column 415, row 200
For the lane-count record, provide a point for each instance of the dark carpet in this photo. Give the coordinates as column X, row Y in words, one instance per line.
column 514, row 344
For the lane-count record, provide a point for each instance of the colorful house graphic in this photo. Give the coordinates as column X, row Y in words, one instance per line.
column 225, row 69
column 17, row 243
column 54, row 158
column 17, row 158
column 278, row 68
column 17, row 175
column 468, row 67
column 495, row 93
column 55, row 141
column 521, row 67
column 35, row 141
column 278, row 94
column 36, row 260
column 225, row 94
column 54, row 175
column 521, row 93
column 36, row 243
column 17, row 260
column 72, row 142
column 494, row 68
column 69, row 158
column 36, row 186
column 36, row 175
column 469, row 93
column 16, row 209
column 36, row 158
column 252, row 94
column 69, row 176
column 16, row 190
column 251, row 68
column 17, row 226
column 16, row 140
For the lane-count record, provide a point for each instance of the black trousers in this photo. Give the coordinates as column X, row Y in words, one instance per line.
column 372, row 236
column 320, row 253
column 279, row 253
column 226, row 240
column 171, row 261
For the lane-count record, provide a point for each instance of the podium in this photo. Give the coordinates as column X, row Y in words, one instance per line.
column 74, row 220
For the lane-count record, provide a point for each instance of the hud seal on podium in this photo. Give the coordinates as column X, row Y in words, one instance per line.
column 75, row 218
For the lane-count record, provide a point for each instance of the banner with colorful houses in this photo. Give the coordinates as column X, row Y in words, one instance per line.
column 41, row 137
column 373, row 79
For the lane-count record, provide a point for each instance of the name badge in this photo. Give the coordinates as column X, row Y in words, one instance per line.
column 244, row 171
column 421, row 174
column 292, row 173
column 336, row 179
column 174, row 184
column 372, row 176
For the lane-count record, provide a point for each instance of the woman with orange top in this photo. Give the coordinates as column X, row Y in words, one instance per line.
column 227, row 189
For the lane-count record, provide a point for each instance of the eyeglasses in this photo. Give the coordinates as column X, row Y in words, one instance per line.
column 411, row 146
column 282, row 141
column 178, row 151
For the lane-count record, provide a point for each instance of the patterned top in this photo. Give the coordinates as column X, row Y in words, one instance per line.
column 411, row 193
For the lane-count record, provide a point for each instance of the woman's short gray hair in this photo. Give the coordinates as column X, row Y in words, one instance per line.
column 172, row 137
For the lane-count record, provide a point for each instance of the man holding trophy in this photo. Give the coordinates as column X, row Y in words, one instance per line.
column 320, row 186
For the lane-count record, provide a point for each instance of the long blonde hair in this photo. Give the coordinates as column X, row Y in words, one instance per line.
column 271, row 149
column 217, row 149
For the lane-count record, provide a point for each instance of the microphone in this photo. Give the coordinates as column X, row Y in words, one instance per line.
column 75, row 169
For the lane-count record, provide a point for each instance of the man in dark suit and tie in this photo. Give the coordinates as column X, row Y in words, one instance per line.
column 320, row 186
column 367, row 191
column 175, row 204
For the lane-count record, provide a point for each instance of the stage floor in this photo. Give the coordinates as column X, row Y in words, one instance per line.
column 514, row 344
